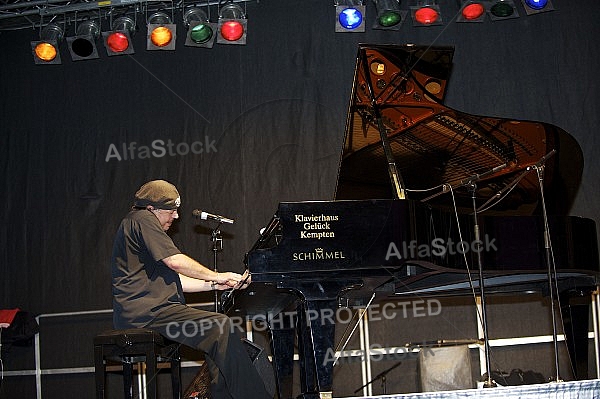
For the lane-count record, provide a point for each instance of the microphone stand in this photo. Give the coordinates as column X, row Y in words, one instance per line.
column 217, row 246
column 466, row 182
column 539, row 167
column 488, row 383
column 381, row 375
column 471, row 186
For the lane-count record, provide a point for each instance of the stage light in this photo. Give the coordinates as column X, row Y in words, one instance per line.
column 82, row 46
column 118, row 41
column 350, row 16
column 232, row 25
column 502, row 9
column 426, row 13
column 389, row 15
column 45, row 51
column 471, row 11
column 201, row 33
column 161, row 32
column 537, row 6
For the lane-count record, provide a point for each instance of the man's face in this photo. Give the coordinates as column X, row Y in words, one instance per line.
column 166, row 217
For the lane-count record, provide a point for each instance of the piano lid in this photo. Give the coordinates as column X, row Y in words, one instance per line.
column 400, row 88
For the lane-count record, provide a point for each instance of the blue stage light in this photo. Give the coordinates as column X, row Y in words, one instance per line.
column 350, row 16
column 537, row 6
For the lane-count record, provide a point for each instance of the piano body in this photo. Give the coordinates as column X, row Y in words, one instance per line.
column 412, row 172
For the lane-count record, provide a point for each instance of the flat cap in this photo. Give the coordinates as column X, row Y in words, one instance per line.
column 158, row 193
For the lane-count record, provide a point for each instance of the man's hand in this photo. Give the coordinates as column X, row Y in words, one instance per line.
column 246, row 280
column 227, row 280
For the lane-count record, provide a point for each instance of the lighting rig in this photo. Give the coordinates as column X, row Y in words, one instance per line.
column 82, row 24
column 390, row 14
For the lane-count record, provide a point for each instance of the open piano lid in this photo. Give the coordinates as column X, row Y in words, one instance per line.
column 401, row 88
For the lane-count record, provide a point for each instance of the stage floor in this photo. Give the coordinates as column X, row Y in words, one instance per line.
column 589, row 389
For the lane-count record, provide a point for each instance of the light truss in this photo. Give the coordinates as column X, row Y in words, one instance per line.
column 20, row 14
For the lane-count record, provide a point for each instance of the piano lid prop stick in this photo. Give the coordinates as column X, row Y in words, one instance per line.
column 395, row 175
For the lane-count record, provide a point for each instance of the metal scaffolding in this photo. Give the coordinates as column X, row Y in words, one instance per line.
column 19, row 14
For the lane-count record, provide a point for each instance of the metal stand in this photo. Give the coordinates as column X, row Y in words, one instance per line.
column 596, row 319
column 217, row 246
column 381, row 376
column 488, row 383
column 551, row 272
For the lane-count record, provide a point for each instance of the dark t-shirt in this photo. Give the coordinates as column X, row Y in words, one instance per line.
column 141, row 283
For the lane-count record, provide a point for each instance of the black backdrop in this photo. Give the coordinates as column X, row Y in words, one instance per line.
column 270, row 116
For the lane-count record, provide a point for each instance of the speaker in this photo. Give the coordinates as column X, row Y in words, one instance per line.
column 263, row 365
column 445, row 368
column 199, row 388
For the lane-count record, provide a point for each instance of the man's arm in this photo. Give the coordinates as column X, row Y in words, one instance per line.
column 193, row 284
column 184, row 265
column 190, row 284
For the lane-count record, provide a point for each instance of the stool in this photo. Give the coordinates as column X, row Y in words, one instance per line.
column 134, row 346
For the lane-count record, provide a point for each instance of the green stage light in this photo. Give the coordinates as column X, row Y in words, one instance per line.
column 502, row 9
column 389, row 15
column 200, row 33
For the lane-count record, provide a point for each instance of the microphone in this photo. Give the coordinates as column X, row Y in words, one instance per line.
column 209, row 216
column 542, row 160
column 479, row 176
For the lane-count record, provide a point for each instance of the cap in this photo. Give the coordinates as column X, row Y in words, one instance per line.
column 159, row 194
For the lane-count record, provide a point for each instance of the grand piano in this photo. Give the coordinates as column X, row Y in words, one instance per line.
column 425, row 195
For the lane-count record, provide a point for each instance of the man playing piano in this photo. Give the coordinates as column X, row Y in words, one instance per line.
column 149, row 277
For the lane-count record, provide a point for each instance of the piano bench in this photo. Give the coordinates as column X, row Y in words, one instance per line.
column 137, row 345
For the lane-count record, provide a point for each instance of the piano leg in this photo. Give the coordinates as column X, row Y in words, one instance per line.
column 576, row 323
column 316, row 330
column 283, row 337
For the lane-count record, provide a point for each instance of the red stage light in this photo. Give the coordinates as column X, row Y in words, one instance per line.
column 233, row 25
column 232, row 30
column 426, row 16
column 472, row 11
column 117, row 42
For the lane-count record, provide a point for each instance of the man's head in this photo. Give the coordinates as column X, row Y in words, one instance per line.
column 160, row 197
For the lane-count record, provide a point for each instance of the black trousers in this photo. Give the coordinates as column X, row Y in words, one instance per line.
column 232, row 372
